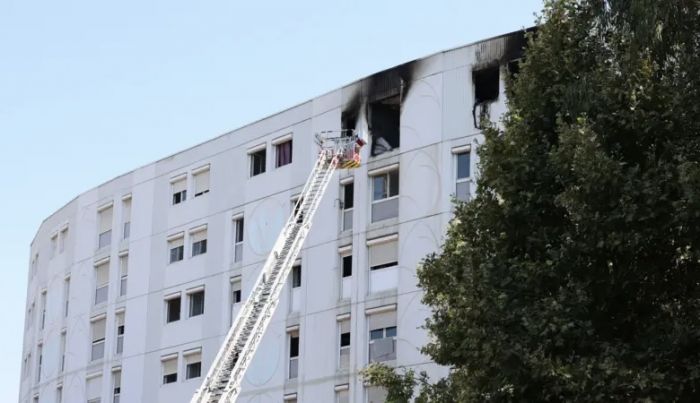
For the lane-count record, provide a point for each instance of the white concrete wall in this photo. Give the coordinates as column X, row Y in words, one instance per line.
column 436, row 117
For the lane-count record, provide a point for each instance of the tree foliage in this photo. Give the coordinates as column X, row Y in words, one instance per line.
column 574, row 274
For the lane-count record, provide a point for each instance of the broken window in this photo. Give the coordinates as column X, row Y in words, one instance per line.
column 384, row 121
column 486, row 89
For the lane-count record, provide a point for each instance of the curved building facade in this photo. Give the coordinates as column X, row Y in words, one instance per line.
column 132, row 285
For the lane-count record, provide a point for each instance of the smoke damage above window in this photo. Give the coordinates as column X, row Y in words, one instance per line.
column 378, row 101
column 505, row 50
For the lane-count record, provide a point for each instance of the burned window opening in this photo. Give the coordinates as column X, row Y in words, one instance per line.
column 486, row 89
column 384, row 122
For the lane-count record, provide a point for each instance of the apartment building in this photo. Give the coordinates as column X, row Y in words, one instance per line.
column 133, row 285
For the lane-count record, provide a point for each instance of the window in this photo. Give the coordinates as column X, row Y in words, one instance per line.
column 283, row 153
column 257, row 162
column 347, row 265
column 116, row 386
column 101, row 281
column 238, row 239
column 199, row 241
column 382, row 335
column 196, row 301
column 383, row 253
column 54, row 245
column 172, row 308
column 62, row 240
column 201, row 181
column 123, row 273
column 236, row 289
column 63, row 350
column 169, row 364
column 35, row 399
column 93, row 389
column 59, row 394
column 126, row 217
column 384, row 121
column 193, row 363
column 342, row 394
column 66, row 295
column 120, row 332
column 290, row 398
column 39, row 359
column 105, row 230
column 293, row 353
column 348, row 197
column 486, row 88
column 98, row 337
column 462, row 159
column 296, row 276
column 385, row 191
column 345, row 271
column 383, row 263
column 176, row 246
column 344, row 341
column 43, row 309
column 236, row 297
column 179, row 189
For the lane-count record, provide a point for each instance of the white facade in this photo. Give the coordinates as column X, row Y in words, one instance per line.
column 107, row 270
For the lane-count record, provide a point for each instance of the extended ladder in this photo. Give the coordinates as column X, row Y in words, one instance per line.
column 223, row 381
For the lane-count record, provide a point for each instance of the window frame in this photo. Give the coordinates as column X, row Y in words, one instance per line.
column 197, row 175
column 168, row 300
column 457, row 152
column 238, row 238
column 292, row 335
column 278, row 147
column 296, row 276
column 254, row 157
column 387, row 186
column 168, row 378
column 191, row 302
column 180, row 255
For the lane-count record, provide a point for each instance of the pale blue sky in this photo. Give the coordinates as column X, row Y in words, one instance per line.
column 144, row 79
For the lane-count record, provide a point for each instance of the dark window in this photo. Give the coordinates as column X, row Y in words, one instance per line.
column 347, row 266
column 170, row 378
column 177, row 253
column 293, row 346
column 486, row 84
column 390, row 331
column 384, row 120
column 194, row 370
column 179, row 197
column 236, row 296
column 284, row 153
column 296, row 276
column 348, row 196
column 173, row 306
column 120, row 330
column 196, row 303
column 376, row 334
column 199, row 247
column 345, row 339
column 463, row 165
column 257, row 162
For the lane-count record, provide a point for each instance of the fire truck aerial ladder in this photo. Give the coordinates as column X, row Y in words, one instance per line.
column 223, row 381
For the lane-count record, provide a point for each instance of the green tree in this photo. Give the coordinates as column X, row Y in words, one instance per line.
column 574, row 274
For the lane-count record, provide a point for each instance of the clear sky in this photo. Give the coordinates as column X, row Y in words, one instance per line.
column 91, row 89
